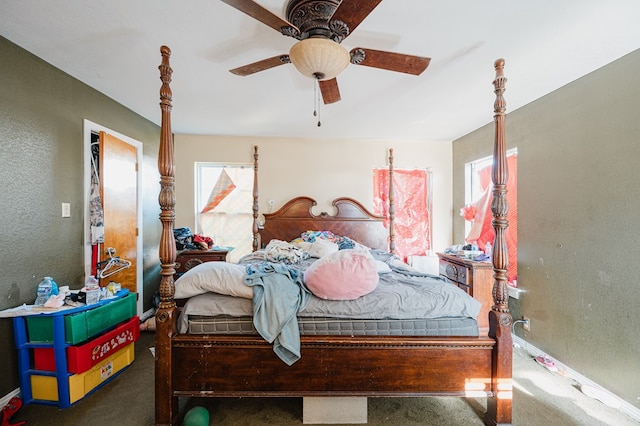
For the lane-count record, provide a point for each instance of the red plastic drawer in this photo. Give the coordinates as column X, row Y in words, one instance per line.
column 83, row 357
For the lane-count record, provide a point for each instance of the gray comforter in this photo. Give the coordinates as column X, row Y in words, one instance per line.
column 404, row 293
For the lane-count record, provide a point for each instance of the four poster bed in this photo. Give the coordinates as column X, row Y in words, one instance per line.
column 192, row 363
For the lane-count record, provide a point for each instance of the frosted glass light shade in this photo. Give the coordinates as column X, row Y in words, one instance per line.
column 319, row 58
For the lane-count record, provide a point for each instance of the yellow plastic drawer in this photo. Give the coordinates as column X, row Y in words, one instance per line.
column 46, row 387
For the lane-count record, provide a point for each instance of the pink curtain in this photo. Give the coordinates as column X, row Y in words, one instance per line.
column 480, row 212
column 411, row 202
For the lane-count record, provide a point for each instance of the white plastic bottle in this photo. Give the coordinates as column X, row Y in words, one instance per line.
column 44, row 291
column 46, row 288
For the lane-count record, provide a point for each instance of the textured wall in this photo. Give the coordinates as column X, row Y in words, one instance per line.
column 41, row 165
column 578, row 198
column 322, row 169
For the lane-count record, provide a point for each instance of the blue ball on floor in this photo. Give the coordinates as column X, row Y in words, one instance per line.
column 197, row 416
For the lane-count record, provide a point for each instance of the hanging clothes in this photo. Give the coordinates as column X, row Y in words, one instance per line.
column 96, row 213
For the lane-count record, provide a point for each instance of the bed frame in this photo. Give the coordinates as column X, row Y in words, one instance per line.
column 245, row 366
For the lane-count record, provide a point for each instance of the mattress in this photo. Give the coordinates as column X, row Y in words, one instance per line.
column 324, row 326
column 405, row 302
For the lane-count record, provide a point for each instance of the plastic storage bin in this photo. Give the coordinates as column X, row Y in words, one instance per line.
column 83, row 357
column 62, row 387
column 46, row 387
column 81, row 326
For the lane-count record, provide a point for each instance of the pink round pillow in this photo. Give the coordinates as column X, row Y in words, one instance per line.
column 343, row 275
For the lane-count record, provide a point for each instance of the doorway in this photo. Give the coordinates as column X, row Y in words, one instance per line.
column 117, row 180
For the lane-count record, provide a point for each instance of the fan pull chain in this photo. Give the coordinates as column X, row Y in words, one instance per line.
column 316, row 99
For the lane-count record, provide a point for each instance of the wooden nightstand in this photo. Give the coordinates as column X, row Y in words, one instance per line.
column 187, row 259
column 476, row 278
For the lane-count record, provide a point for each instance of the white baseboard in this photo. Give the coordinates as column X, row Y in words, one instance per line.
column 625, row 407
column 5, row 399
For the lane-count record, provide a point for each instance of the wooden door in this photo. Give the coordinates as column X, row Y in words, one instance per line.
column 119, row 190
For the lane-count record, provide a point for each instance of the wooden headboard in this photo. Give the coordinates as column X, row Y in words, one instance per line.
column 351, row 219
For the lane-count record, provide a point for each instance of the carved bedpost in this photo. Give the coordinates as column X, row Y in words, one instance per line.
column 499, row 405
column 167, row 198
column 392, row 208
column 256, row 206
column 166, row 406
column 500, row 205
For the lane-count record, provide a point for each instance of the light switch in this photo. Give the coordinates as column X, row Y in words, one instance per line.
column 66, row 209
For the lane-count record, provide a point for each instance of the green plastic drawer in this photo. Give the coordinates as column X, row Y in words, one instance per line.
column 83, row 325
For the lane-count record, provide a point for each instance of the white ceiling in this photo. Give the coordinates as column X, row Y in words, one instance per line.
column 114, row 46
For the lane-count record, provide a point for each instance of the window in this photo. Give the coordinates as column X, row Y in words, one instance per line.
column 224, row 206
column 477, row 209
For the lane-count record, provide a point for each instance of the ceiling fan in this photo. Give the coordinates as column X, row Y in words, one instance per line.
column 320, row 26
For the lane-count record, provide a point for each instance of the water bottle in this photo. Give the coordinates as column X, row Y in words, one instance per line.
column 46, row 288
column 488, row 250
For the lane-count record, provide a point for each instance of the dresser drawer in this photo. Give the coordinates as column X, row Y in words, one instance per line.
column 476, row 278
column 466, row 288
column 454, row 272
column 188, row 259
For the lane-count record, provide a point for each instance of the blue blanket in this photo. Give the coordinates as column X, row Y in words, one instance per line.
column 278, row 296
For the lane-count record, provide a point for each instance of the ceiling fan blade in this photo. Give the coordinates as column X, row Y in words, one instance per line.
column 391, row 61
column 259, row 13
column 262, row 65
column 330, row 91
column 353, row 12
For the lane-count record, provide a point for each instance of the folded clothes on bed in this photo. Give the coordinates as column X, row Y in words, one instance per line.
column 282, row 251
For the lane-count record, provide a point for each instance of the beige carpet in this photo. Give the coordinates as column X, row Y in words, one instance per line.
column 541, row 398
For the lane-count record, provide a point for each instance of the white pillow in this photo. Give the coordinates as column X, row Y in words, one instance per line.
column 382, row 267
column 218, row 277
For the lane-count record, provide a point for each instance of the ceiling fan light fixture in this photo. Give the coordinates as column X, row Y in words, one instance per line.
column 319, row 58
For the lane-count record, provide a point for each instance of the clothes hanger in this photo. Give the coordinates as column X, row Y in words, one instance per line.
column 94, row 166
column 112, row 265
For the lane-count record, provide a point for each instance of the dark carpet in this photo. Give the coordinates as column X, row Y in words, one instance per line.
column 541, row 398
